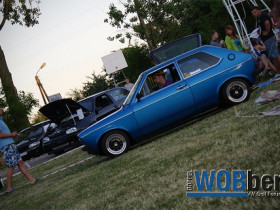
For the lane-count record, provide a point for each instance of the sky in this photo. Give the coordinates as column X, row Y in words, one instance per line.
column 71, row 38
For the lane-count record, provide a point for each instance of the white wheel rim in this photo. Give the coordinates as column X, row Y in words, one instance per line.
column 237, row 92
column 116, row 144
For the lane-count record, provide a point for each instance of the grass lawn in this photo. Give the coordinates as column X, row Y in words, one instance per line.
column 154, row 175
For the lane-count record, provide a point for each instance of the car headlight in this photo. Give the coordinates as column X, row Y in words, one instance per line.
column 71, row 130
column 34, row 144
column 46, row 139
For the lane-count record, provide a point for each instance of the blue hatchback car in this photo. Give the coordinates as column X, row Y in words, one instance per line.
column 189, row 80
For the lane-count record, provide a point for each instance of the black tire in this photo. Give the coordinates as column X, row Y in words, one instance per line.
column 115, row 143
column 235, row 91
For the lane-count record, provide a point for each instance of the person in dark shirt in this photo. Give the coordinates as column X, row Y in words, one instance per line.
column 267, row 36
column 214, row 40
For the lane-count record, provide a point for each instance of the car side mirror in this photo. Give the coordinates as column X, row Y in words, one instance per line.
column 139, row 96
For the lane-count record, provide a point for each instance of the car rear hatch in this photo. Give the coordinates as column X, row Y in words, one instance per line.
column 176, row 48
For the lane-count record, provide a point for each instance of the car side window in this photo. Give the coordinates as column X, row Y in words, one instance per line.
column 197, row 63
column 160, row 79
column 118, row 94
column 102, row 101
column 87, row 103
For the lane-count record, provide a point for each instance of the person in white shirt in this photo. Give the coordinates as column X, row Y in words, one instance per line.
column 128, row 85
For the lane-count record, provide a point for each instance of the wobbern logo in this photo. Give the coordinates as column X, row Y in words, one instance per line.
column 237, row 183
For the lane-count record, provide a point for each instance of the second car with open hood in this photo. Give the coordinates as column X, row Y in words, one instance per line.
column 72, row 117
column 69, row 118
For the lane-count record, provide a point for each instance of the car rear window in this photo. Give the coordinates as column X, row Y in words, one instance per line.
column 197, row 63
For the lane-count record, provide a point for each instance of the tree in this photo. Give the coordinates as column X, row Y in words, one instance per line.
column 163, row 21
column 138, row 60
column 75, row 94
column 27, row 102
column 205, row 16
column 23, row 13
column 148, row 20
column 96, row 84
column 38, row 117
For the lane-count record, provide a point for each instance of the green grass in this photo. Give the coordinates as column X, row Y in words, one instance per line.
column 154, row 175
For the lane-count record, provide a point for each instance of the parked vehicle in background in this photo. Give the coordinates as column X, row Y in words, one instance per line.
column 72, row 117
column 196, row 79
column 29, row 141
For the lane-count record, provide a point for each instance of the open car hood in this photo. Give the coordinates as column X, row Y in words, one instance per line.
column 60, row 109
column 176, row 48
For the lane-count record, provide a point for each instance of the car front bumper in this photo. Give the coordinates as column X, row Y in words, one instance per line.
column 61, row 143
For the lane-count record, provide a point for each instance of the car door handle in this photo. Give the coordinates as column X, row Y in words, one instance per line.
column 181, row 87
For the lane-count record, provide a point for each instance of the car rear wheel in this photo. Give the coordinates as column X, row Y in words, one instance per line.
column 115, row 143
column 235, row 91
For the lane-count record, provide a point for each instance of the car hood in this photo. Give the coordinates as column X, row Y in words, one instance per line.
column 24, row 142
column 60, row 109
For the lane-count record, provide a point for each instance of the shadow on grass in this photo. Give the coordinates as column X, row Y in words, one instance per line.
column 178, row 126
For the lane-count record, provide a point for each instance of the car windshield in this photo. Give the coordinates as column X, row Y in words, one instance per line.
column 130, row 95
column 36, row 131
column 71, row 117
column 31, row 132
column 23, row 135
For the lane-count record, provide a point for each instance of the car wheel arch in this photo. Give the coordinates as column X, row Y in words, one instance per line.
column 222, row 84
column 224, row 100
column 111, row 130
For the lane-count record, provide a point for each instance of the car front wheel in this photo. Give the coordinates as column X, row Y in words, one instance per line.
column 235, row 91
column 115, row 143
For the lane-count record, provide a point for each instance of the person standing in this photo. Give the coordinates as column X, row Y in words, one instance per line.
column 267, row 36
column 128, row 85
column 214, row 40
column 232, row 40
column 11, row 155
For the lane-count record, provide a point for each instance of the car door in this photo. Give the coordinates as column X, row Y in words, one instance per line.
column 162, row 106
column 201, row 73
